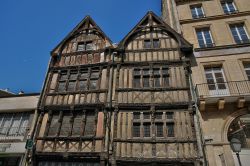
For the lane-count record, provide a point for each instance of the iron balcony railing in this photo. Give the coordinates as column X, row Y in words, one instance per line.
column 231, row 88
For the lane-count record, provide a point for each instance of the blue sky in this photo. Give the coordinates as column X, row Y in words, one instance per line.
column 30, row 29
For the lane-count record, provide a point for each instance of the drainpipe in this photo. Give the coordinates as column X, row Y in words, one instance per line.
column 199, row 136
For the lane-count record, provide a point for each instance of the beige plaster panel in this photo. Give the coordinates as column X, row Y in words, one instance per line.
column 220, row 30
column 242, row 5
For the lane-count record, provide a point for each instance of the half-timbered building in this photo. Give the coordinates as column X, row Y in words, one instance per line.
column 118, row 105
column 71, row 127
column 153, row 117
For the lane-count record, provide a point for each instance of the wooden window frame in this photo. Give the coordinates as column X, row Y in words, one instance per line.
column 85, row 45
column 78, row 79
column 72, row 116
column 141, row 121
column 150, row 43
column 139, row 77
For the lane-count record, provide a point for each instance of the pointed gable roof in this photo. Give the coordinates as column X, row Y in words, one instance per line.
column 151, row 20
column 85, row 24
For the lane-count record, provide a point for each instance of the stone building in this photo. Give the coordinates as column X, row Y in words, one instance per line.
column 17, row 118
column 219, row 32
column 128, row 104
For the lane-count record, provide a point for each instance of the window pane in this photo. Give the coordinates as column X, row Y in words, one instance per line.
column 169, row 115
column 83, row 85
column 136, row 115
column 5, row 126
column 136, row 82
column 89, row 46
column 66, row 126
column 15, row 125
column 159, row 129
column 136, row 129
column 147, row 44
column 137, row 72
column 145, row 82
column 166, row 81
column 247, row 69
column 146, row 115
column 90, row 124
column 156, row 71
column 77, row 124
column 54, row 125
column 200, row 38
column 157, row 82
column 146, row 128
column 95, row 74
column 170, row 129
column 156, row 43
column 71, row 86
column 64, row 76
column 145, row 72
column 61, row 86
column 93, row 84
column 73, row 75
column 81, row 47
column 158, row 115
column 84, row 74
column 24, row 125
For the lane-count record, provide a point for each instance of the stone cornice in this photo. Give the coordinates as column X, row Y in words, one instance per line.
column 217, row 17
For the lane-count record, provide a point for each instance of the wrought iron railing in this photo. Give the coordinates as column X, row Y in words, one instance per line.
column 231, row 88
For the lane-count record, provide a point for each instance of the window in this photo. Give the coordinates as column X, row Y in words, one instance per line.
column 197, row 11
column 216, row 81
column 143, row 127
column 151, row 43
column 170, row 129
column 147, row 44
column 239, row 33
column 85, row 46
column 204, row 37
column 228, row 7
column 143, row 76
column 78, row 80
column 94, row 79
column 247, row 69
column 14, row 124
column 156, row 43
column 68, row 124
column 240, row 129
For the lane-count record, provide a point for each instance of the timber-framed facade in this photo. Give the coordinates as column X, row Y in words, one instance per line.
column 118, row 105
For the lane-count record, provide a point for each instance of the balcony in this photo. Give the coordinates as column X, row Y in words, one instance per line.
column 224, row 92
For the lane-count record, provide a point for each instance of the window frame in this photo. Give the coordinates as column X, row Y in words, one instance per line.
column 65, row 79
column 151, row 43
column 72, row 117
column 226, row 3
column 204, row 39
column 239, row 35
column 195, row 7
column 85, row 46
column 140, row 76
column 10, row 130
column 139, row 124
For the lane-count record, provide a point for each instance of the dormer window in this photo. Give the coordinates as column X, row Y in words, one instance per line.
column 85, row 46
